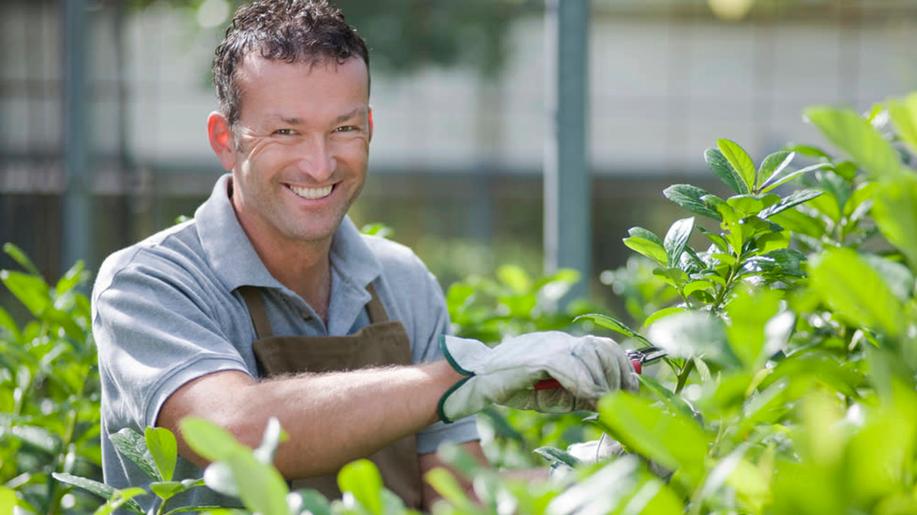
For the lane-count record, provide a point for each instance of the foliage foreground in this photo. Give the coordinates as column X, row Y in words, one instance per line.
column 786, row 307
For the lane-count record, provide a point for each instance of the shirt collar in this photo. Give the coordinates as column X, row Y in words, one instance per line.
column 233, row 258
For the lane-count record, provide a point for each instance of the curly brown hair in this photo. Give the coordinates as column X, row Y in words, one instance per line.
column 309, row 31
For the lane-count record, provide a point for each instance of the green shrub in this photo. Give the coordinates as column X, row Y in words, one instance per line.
column 49, row 389
column 787, row 310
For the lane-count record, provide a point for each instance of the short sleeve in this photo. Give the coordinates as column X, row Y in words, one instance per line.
column 433, row 324
column 154, row 333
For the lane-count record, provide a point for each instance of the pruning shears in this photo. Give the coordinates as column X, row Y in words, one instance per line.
column 638, row 358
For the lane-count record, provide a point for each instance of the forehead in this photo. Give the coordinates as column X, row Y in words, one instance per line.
column 264, row 83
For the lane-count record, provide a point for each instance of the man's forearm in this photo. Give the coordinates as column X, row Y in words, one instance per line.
column 331, row 418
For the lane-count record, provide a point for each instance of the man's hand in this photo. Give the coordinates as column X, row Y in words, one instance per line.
column 586, row 367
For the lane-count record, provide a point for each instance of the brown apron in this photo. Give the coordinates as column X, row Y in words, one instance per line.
column 382, row 342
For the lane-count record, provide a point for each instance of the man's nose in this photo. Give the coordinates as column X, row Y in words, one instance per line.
column 316, row 159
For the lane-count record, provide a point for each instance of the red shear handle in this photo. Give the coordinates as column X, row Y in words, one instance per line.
column 553, row 384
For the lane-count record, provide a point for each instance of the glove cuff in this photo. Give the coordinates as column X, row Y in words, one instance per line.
column 441, row 405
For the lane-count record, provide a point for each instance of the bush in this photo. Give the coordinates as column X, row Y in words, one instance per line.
column 49, row 390
column 789, row 320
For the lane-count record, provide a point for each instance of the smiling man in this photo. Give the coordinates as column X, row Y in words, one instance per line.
column 270, row 303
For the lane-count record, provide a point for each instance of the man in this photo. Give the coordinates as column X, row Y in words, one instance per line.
column 270, row 303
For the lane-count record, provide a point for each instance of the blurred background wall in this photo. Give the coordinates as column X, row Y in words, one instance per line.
column 458, row 93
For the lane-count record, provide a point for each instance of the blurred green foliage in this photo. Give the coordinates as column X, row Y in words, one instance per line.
column 789, row 387
column 49, row 388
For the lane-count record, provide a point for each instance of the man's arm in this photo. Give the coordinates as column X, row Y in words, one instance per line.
column 331, row 418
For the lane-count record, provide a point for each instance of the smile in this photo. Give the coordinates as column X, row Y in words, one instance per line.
column 311, row 193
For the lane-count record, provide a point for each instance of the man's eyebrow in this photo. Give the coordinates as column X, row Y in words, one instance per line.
column 286, row 119
column 346, row 116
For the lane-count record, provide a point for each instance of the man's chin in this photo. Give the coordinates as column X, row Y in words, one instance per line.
column 313, row 234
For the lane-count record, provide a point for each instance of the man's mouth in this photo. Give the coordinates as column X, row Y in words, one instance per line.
column 311, row 193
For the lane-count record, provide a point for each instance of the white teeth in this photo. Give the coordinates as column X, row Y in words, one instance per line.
column 312, row 193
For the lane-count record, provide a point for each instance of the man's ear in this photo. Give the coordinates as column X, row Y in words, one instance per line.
column 221, row 139
column 370, row 113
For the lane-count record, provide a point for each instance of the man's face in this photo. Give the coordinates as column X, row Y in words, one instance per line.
column 302, row 145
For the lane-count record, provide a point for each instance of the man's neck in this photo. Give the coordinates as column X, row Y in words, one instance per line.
column 302, row 266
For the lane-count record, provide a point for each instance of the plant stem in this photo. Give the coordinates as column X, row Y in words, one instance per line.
column 683, row 375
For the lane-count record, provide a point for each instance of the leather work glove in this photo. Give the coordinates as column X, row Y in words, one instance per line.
column 586, row 367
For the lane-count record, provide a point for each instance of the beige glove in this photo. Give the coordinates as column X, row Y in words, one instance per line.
column 587, row 367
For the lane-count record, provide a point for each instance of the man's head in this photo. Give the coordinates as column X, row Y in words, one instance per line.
column 294, row 123
column 292, row 31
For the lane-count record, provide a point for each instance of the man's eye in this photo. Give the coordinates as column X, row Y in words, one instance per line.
column 347, row 128
column 284, row 132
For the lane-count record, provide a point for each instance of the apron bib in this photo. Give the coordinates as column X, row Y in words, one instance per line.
column 383, row 342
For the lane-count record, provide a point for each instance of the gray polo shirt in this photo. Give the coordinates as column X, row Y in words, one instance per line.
column 167, row 310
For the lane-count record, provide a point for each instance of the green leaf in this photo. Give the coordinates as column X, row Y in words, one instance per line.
column 773, row 241
column 449, row 488
column 855, row 136
column 100, row 489
column 314, row 502
column 879, row 450
column 208, row 509
column 458, row 459
column 361, row 479
column 895, row 212
column 643, row 427
column 646, row 234
column 261, row 487
column 132, row 446
column 209, row 440
column 691, row 334
column 715, row 238
column 897, row 276
column 668, row 398
column 785, row 176
column 861, row 194
column 720, row 166
column 695, row 286
column 676, row 239
column 773, row 164
column 903, row 113
column 809, row 150
column 71, row 279
column 726, row 213
column 21, row 258
column 855, row 291
column 7, row 500
column 800, row 223
column 37, row 437
column 121, row 497
column 8, row 324
column 164, row 449
column 378, row 229
column 740, row 161
column 662, row 313
column 554, row 455
column 793, row 200
column 515, row 277
column 608, row 322
column 748, row 313
column 689, row 197
column 166, row 489
column 32, row 291
column 647, row 248
column 777, row 264
column 745, row 205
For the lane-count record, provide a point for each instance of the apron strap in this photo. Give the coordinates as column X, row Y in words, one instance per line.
column 256, row 310
column 376, row 310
